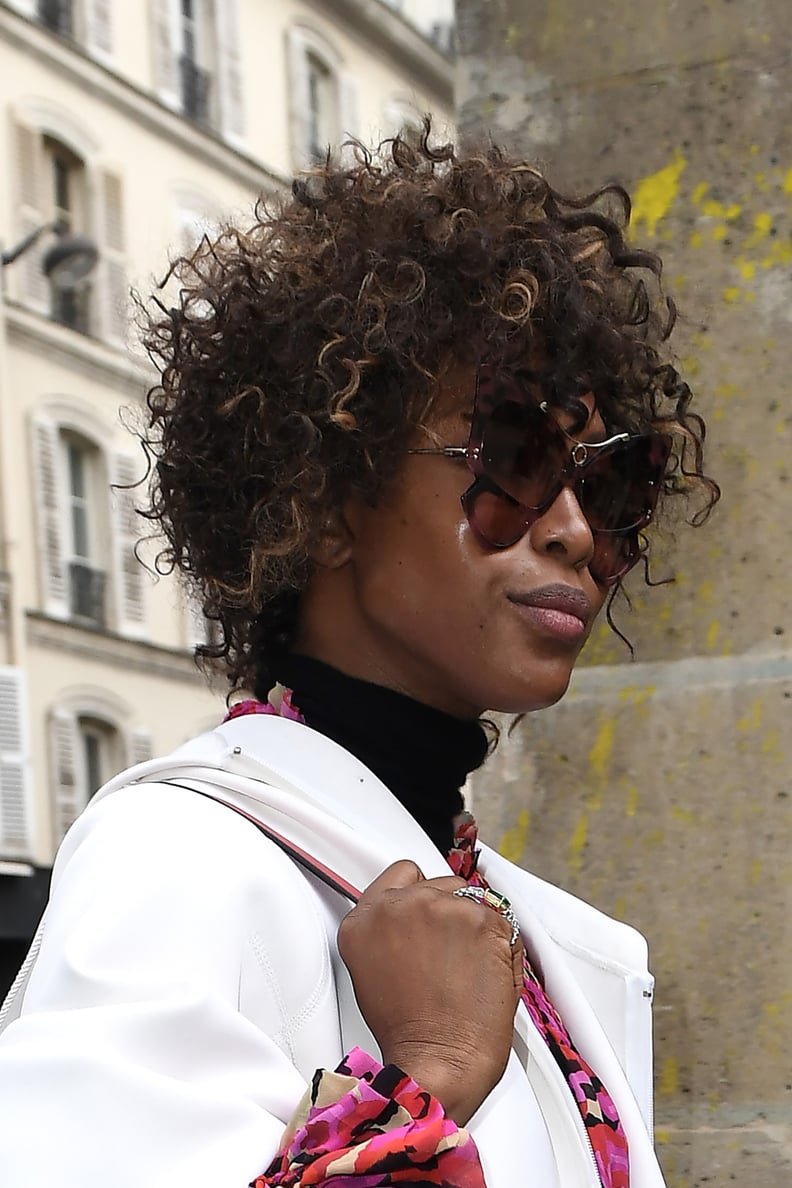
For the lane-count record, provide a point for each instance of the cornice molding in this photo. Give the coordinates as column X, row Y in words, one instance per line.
column 402, row 40
column 80, row 353
column 115, row 651
column 100, row 82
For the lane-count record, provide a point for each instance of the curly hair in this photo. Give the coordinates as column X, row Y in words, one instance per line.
column 306, row 348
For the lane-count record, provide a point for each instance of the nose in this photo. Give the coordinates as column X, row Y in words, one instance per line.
column 563, row 531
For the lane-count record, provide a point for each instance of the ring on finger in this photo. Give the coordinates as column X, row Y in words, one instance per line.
column 497, row 902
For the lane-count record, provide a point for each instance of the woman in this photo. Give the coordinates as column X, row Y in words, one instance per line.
column 411, row 429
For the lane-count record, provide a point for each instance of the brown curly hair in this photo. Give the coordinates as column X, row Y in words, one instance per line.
column 306, row 348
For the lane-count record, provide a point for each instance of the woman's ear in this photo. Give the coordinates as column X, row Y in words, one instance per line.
column 334, row 547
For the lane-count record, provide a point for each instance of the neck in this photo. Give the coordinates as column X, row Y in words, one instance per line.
column 422, row 754
column 334, row 630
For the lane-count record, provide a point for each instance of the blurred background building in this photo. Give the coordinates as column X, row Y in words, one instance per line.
column 127, row 130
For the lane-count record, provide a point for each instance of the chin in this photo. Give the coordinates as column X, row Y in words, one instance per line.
column 526, row 696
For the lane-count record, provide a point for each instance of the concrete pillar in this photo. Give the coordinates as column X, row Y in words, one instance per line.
column 660, row 790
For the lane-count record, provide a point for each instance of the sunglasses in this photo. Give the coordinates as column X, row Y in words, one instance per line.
column 522, row 459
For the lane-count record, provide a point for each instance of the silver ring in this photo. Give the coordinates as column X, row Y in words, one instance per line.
column 498, row 903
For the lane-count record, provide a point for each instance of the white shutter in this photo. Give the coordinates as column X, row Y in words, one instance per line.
column 114, row 289
column 232, row 111
column 99, row 26
column 26, row 7
column 33, row 210
column 16, row 816
column 164, row 52
column 68, row 778
column 140, row 749
column 299, row 97
column 50, row 501
column 129, row 574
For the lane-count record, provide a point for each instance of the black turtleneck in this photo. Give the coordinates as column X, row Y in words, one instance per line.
column 422, row 754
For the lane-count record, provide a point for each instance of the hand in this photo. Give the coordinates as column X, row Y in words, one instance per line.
column 437, row 981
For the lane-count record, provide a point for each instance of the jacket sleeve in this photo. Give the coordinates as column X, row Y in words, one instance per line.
column 372, row 1124
column 131, row 1062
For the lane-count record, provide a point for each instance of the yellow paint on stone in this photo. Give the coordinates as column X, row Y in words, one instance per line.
column 756, row 871
column 655, row 195
column 731, row 295
column 788, row 182
column 577, row 845
column 719, row 232
column 753, row 719
column 763, row 225
column 713, row 631
column 696, row 240
column 514, row 840
column 747, row 268
column 700, row 193
column 684, row 815
column 668, row 1081
column 717, row 210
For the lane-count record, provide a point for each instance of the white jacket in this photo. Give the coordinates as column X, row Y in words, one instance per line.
column 188, row 983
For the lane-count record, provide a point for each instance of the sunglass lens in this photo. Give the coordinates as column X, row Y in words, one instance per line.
column 498, row 520
column 618, row 490
column 519, row 449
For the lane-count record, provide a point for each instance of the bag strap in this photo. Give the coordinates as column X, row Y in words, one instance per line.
column 309, row 862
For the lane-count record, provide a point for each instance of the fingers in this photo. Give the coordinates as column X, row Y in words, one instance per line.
column 398, row 875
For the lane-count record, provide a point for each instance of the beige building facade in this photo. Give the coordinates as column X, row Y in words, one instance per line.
column 140, row 126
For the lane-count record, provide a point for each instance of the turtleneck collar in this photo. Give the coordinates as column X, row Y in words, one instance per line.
column 421, row 754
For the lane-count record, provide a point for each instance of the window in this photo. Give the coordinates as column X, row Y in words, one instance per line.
column 65, row 175
column 196, row 61
column 322, row 113
column 87, row 748
column 196, row 77
column 323, row 100
column 86, row 578
column 54, row 183
column 87, row 526
column 87, row 21
column 57, row 15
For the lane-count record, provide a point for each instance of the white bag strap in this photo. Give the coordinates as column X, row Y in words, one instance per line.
column 12, row 1005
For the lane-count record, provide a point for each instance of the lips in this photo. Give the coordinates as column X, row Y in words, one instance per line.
column 569, row 600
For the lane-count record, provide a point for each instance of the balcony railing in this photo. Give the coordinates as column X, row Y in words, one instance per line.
column 87, row 593
column 57, row 15
column 196, row 85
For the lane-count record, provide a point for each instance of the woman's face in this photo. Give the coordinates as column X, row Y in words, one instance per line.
column 412, row 600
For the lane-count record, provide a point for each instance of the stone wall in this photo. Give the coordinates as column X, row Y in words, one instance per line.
column 660, row 789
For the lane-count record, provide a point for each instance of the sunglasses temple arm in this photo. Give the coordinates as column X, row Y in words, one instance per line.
column 444, row 451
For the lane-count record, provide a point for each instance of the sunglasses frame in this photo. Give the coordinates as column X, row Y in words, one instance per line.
column 572, row 474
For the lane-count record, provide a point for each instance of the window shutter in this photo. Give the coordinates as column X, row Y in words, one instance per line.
column 67, row 774
column 164, row 55
column 299, row 96
column 114, row 294
column 33, row 210
column 129, row 575
column 349, row 110
column 232, row 111
column 99, row 26
column 26, row 7
column 140, row 749
column 49, row 498
column 16, row 815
